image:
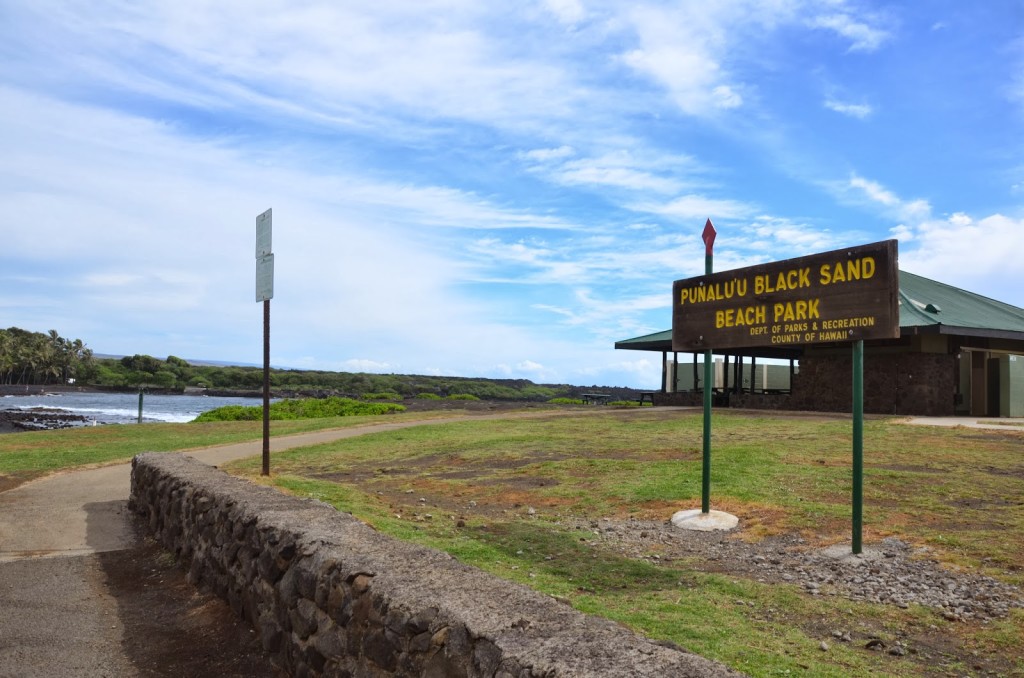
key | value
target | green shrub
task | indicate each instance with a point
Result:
(462, 396)
(382, 395)
(624, 403)
(301, 408)
(233, 413)
(565, 401)
(428, 396)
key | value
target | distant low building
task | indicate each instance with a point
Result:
(958, 353)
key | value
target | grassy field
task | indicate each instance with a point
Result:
(24, 456)
(509, 495)
(501, 495)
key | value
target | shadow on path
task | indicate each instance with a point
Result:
(168, 628)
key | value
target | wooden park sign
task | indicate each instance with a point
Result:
(845, 295)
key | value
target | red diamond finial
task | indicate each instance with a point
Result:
(708, 236)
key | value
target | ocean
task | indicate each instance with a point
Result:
(123, 408)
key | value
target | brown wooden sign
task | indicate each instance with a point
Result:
(838, 296)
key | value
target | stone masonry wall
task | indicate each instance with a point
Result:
(894, 383)
(330, 596)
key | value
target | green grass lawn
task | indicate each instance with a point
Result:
(24, 456)
(958, 491)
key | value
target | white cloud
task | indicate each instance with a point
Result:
(681, 48)
(696, 51)
(629, 168)
(332, 63)
(549, 154)
(859, 111)
(776, 237)
(587, 173)
(569, 12)
(364, 365)
(863, 36)
(691, 207)
(981, 255)
(860, 189)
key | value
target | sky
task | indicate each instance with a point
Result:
(485, 189)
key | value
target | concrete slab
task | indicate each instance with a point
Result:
(843, 553)
(993, 423)
(695, 519)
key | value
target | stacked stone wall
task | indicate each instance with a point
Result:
(330, 596)
(909, 383)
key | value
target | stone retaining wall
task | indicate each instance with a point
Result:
(330, 596)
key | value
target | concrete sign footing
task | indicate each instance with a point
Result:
(695, 519)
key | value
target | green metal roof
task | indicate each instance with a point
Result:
(925, 305)
(649, 342)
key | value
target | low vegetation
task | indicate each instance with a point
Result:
(301, 408)
(510, 496)
(34, 358)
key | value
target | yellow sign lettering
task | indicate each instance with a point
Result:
(847, 271)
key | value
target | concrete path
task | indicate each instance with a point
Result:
(998, 424)
(82, 512)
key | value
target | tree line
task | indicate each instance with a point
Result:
(34, 358)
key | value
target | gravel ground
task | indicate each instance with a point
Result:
(890, 572)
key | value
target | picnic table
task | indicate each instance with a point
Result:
(595, 398)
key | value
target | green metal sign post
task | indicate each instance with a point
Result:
(705, 486)
(858, 443)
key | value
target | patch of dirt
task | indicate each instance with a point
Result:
(1016, 472)
(907, 468)
(170, 628)
(8, 481)
(474, 406)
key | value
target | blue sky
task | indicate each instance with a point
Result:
(485, 189)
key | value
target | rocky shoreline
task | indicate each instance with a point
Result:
(39, 419)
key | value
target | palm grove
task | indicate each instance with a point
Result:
(37, 358)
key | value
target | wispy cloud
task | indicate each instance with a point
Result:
(695, 207)
(859, 111)
(682, 49)
(864, 34)
(872, 193)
